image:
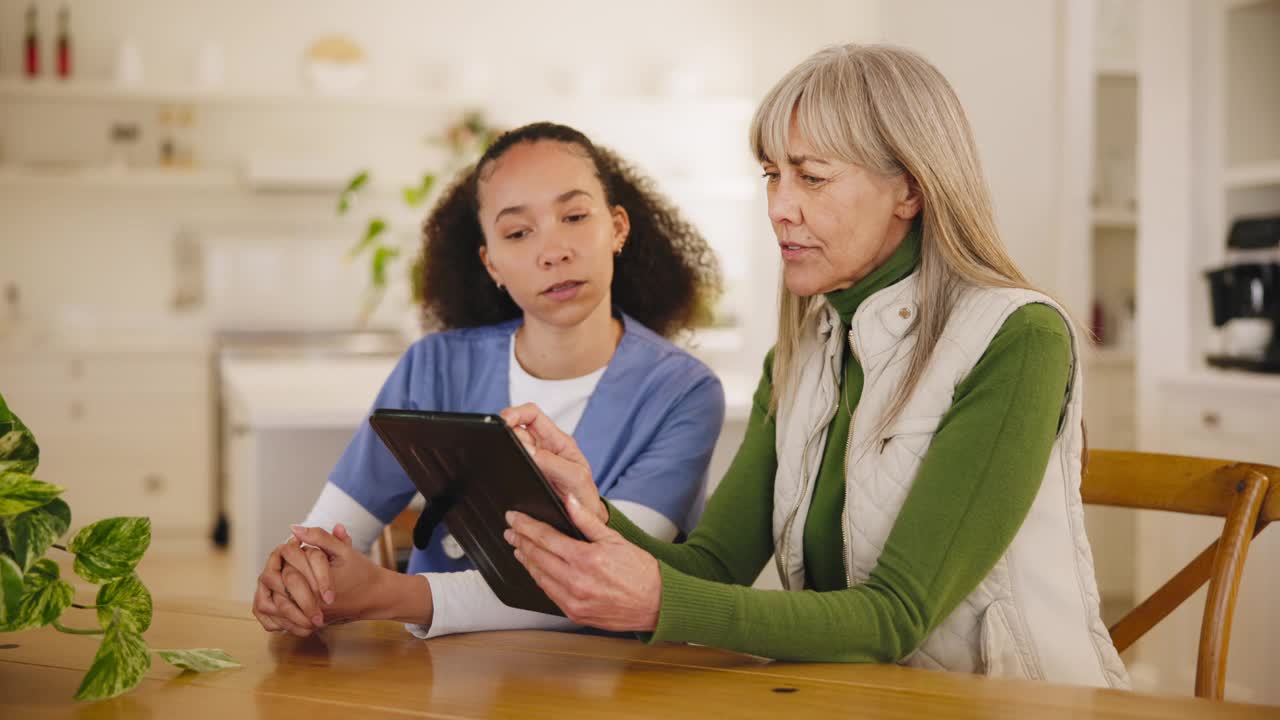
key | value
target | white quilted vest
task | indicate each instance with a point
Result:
(1036, 614)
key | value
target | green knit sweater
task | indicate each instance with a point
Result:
(970, 495)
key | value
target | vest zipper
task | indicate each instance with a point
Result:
(780, 556)
(844, 504)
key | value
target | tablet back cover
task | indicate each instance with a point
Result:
(475, 466)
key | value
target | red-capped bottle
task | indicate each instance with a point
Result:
(32, 44)
(64, 43)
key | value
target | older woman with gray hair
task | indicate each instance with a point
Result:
(914, 453)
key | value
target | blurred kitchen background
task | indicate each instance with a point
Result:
(184, 330)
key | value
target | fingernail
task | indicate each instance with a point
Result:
(573, 500)
(317, 619)
(511, 517)
(509, 536)
(328, 597)
(297, 529)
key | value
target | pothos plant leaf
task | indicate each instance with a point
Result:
(415, 196)
(18, 452)
(10, 589)
(199, 659)
(375, 228)
(28, 535)
(44, 597)
(348, 193)
(128, 597)
(119, 665)
(18, 449)
(32, 518)
(110, 548)
(382, 256)
(20, 492)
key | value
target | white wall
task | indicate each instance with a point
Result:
(742, 45)
(999, 54)
(72, 245)
(1001, 57)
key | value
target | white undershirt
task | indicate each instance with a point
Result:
(463, 601)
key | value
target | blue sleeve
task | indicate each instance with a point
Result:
(669, 473)
(367, 471)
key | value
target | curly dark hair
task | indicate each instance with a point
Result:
(667, 277)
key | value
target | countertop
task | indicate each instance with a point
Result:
(335, 392)
(303, 393)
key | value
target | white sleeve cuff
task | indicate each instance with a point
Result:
(464, 602)
(647, 519)
(335, 506)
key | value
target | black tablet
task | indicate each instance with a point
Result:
(472, 469)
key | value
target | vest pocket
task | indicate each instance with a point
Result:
(913, 425)
(999, 645)
(905, 443)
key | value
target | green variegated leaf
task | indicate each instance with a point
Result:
(30, 534)
(20, 492)
(382, 257)
(120, 664)
(199, 659)
(44, 597)
(376, 227)
(348, 193)
(10, 589)
(414, 196)
(130, 598)
(110, 548)
(18, 450)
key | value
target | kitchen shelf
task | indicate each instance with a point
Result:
(52, 91)
(1123, 71)
(1215, 379)
(156, 177)
(128, 178)
(88, 92)
(1114, 219)
(1241, 4)
(1110, 357)
(1252, 175)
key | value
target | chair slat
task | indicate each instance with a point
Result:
(1245, 494)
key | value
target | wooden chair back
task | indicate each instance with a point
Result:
(399, 534)
(1243, 494)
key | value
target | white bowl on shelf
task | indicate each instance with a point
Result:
(331, 77)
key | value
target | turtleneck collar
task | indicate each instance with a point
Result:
(899, 265)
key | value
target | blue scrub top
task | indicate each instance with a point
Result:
(648, 429)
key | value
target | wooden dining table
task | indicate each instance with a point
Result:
(378, 670)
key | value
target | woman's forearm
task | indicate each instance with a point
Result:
(402, 598)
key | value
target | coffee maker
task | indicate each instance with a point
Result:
(1245, 297)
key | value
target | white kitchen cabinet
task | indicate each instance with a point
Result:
(125, 433)
(1209, 145)
(287, 422)
(1100, 85)
(1229, 416)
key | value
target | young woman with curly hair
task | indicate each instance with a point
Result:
(557, 273)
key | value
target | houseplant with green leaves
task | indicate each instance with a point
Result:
(463, 143)
(33, 521)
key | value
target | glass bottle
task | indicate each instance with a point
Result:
(32, 44)
(64, 43)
